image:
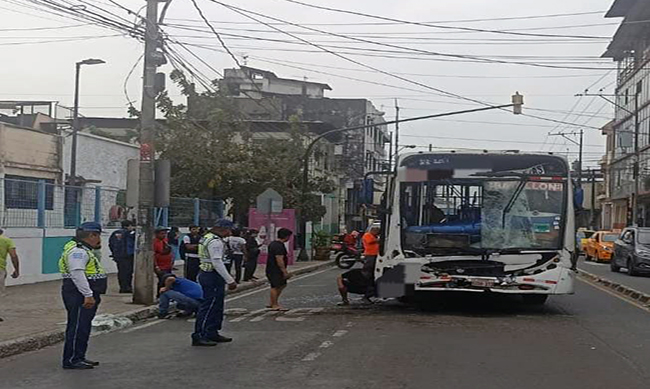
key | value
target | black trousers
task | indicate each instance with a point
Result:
(77, 330)
(250, 266)
(192, 268)
(237, 261)
(125, 273)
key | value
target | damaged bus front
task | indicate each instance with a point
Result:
(488, 222)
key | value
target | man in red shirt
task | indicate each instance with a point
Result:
(164, 261)
(371, 252)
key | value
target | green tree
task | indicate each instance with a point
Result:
(214, 155)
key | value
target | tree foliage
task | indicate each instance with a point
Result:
(214, 155)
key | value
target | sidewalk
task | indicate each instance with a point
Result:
(30, 310)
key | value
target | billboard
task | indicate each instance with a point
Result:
(268, 225)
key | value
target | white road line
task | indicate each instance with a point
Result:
(262, 289)
(248, 315)
(340, 333)
(133, 329)
(264, 316)
(311, 357)
(350, 324)
(326, 344)
(595, 264)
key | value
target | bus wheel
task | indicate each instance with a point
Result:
(535, 299)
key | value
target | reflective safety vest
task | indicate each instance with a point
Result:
(94, 269)
(204, 253)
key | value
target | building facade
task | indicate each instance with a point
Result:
(628, 167)
(357, 153)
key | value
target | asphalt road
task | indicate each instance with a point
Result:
(640, 283)
(590, 340)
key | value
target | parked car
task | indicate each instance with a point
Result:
(582, 236)
(632, 251)
(600, 246)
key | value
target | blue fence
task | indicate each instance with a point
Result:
(43, 204)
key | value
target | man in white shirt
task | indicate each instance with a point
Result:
(237, 245)
(213, 278)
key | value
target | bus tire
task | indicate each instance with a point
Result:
(534, 299)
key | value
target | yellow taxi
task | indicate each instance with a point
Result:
(600, 246)
(582, 237)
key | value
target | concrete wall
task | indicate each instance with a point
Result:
(29, 153)
(40, 249)
(100, 159)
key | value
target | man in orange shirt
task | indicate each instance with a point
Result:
(370, 251)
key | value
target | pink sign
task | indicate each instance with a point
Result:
(268, 225)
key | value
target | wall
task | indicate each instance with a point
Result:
(39, 251)
(100, 159)
(29, 153)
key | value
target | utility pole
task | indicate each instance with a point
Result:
(592, 222)
(396, 131)
(635, 195)
(390, 152)
(565, 135)
(144, 263)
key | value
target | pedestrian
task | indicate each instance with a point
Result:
(122, 246)
(84, 281)
(186, 293)
(237, 246)
(164, 262)
(173, 238)
(353, 281)
(190, 250)
(252, 255)
(213, 279)
(7, 247)
(371, 252)
(276, 267)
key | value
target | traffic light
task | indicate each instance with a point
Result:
(518, 102)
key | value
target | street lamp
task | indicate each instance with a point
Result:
(75, 116)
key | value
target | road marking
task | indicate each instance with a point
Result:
(264, 288)
(326, 344)
(153, 323)
(311, 357)
(340, 333)
(350, 324)
(249, 315)
(610, 292)
(265, 315)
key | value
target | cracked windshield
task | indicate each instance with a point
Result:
(323, 194)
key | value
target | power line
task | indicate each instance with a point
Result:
(430, 25)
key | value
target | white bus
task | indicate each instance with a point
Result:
(500, 222)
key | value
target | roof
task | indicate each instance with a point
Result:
(271, 75)
(620, 8)
(629, 34)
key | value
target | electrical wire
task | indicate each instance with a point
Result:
(438, 26)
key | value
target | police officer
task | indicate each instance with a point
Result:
(213, 279)
(84, 280)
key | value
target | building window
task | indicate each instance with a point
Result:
(22, 192)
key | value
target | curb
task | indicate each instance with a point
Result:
(626, 291)
(44, 339)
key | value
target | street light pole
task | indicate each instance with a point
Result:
(75, 116)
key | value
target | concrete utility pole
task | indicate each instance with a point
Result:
(396, 131)
(635, 195)
(144, 262)
(565, 135)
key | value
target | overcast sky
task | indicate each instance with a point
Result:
(33, 69)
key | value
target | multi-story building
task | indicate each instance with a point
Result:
(630, 48)
(262, 94)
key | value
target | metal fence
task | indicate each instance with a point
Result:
(41, 203)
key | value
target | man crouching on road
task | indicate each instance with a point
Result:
(84, 280)
(213, 278)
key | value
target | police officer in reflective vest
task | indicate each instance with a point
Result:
(84, 280)
(213, 279)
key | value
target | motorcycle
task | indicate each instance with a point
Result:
(346, 255)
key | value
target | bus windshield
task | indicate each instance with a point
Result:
(474, 211)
